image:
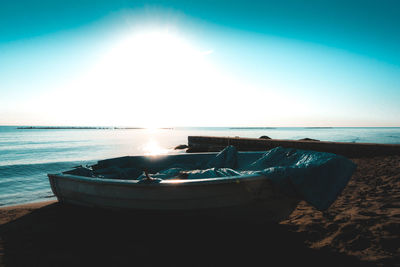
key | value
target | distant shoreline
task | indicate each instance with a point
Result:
(83, 128)
(318, 127)
(252, 128)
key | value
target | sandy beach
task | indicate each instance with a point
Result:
(103, 102)
(360, 228)
(364, 221)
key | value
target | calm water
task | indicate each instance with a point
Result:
(26, 156)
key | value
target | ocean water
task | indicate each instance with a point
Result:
(27, 155)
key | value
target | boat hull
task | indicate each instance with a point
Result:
(247, 196)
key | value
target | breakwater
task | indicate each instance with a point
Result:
(214, 143)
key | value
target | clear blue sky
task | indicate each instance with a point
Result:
(200, 63)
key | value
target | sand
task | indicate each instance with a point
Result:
(361, 228)
(365, 220)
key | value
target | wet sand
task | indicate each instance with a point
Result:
(361, 228)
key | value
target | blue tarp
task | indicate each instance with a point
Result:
(316, 177)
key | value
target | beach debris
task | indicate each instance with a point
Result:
(309, 139)
(181, 147)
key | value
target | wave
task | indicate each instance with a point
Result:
(22, 183)
(22, 197)
(18, 170)
(9, 150)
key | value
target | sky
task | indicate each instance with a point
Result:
(200, 63)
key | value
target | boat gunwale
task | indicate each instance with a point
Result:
(162, 183)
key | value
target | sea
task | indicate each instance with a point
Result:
(28, 154)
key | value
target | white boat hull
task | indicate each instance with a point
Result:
(249, 194)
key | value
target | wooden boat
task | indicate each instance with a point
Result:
(247, 194)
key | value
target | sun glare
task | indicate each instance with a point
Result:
(145, 75)
(156, 79)
(152, 148)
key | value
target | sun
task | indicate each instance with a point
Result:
(146, 74)
(151, 79)
(145, 55)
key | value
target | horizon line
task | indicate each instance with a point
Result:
(172, 127)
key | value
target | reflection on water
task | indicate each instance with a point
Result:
(153, 148)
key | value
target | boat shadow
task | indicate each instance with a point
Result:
(63, 235)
